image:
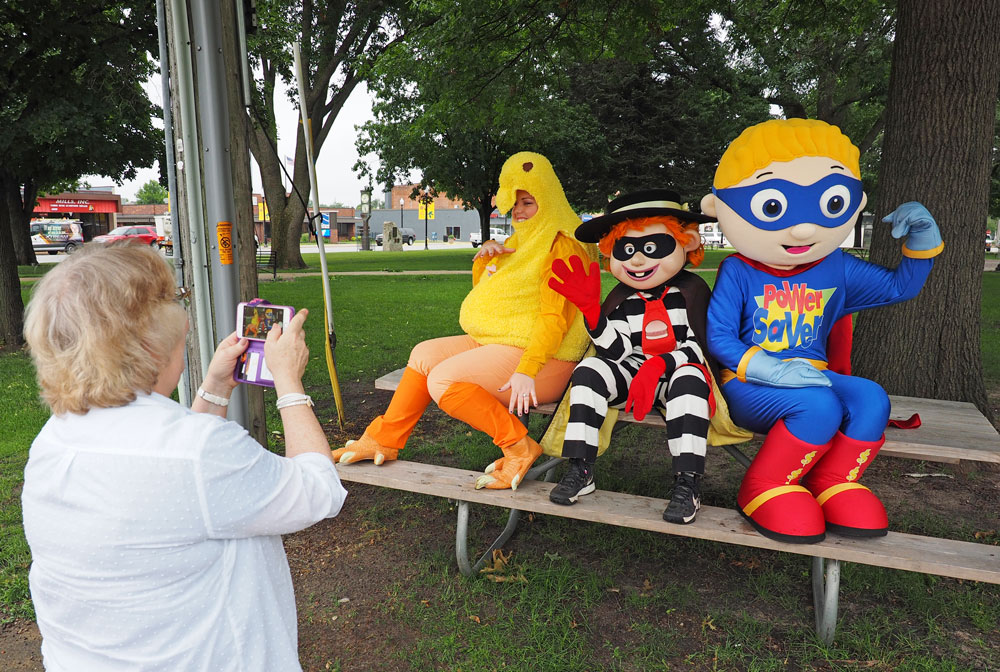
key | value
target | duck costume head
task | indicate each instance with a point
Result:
(504, 304)
(533, 173)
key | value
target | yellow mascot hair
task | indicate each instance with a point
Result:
(783, 140)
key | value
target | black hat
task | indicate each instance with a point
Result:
(638, 204)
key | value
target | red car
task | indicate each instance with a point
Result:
(144, 232)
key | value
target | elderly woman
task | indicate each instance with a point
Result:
(154, 529)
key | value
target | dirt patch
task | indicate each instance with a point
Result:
(20, 646)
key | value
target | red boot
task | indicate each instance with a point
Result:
(850, 508)
(770, 497)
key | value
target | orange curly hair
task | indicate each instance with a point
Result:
(681, 231)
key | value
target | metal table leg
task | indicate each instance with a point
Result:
(546, 471)
(826, 596)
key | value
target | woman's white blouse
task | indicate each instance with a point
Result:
(155, 540)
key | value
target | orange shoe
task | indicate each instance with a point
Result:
(509, 470)
(365, 448)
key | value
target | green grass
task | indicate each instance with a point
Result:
(23, 415)
(586, 596)
(424, 260)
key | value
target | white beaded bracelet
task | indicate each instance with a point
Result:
(293, 399)
(213, 398)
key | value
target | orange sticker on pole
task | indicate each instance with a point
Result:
(224, 234)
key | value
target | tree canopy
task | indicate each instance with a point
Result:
(151, 193)
(71, 104)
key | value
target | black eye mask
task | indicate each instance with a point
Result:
(656, 246)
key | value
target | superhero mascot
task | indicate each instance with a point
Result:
(786, 194)
(521, 340)
(649, 340)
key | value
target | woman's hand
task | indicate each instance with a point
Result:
(286, 354)
(492, 248)
(522, 393)
(219, 379)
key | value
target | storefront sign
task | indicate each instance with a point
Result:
(76, 205)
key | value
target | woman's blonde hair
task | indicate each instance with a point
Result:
(783, 140)
(101, 326)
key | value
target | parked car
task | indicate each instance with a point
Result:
(144, 232)
(496, 233)
(407, 234)
(55, 236)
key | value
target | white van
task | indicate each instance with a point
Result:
(711, 234)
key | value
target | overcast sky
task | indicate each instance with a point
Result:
(337, 182)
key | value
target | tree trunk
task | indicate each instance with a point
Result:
(239, 154)
(939, 131)
(20, 217)
(11, 305)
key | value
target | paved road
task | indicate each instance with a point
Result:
(44, 258)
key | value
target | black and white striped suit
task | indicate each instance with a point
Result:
(603, 380)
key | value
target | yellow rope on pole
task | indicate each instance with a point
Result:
(327, 304)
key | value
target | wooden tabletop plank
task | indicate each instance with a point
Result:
(950, 431)
(945, 557)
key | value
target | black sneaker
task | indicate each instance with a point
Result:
(577, 481)
(685, 500)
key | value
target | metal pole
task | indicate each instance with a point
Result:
(219, 207)
(184, 385)
(307, 133)
(190, 167)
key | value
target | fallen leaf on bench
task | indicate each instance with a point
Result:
(929, 475)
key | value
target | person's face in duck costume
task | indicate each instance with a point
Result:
(787, 191)
(530, 190)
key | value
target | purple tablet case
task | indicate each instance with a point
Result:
(250, 367)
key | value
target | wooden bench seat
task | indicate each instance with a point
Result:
(266, 262)
(950, 432)
(956, 559)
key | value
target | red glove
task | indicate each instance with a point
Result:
(580, 288)
(642, 391)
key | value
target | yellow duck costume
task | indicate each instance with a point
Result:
(513, 323)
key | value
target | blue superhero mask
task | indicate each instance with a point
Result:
(778, 204)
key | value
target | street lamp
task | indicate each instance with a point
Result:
(366, 212)
(401, 201)
(425, 200)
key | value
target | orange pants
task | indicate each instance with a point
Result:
(464, 379)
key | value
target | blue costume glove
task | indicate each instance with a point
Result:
(914, 219)
(764, 369)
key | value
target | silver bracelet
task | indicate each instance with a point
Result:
(293, 399)
(213, 398)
